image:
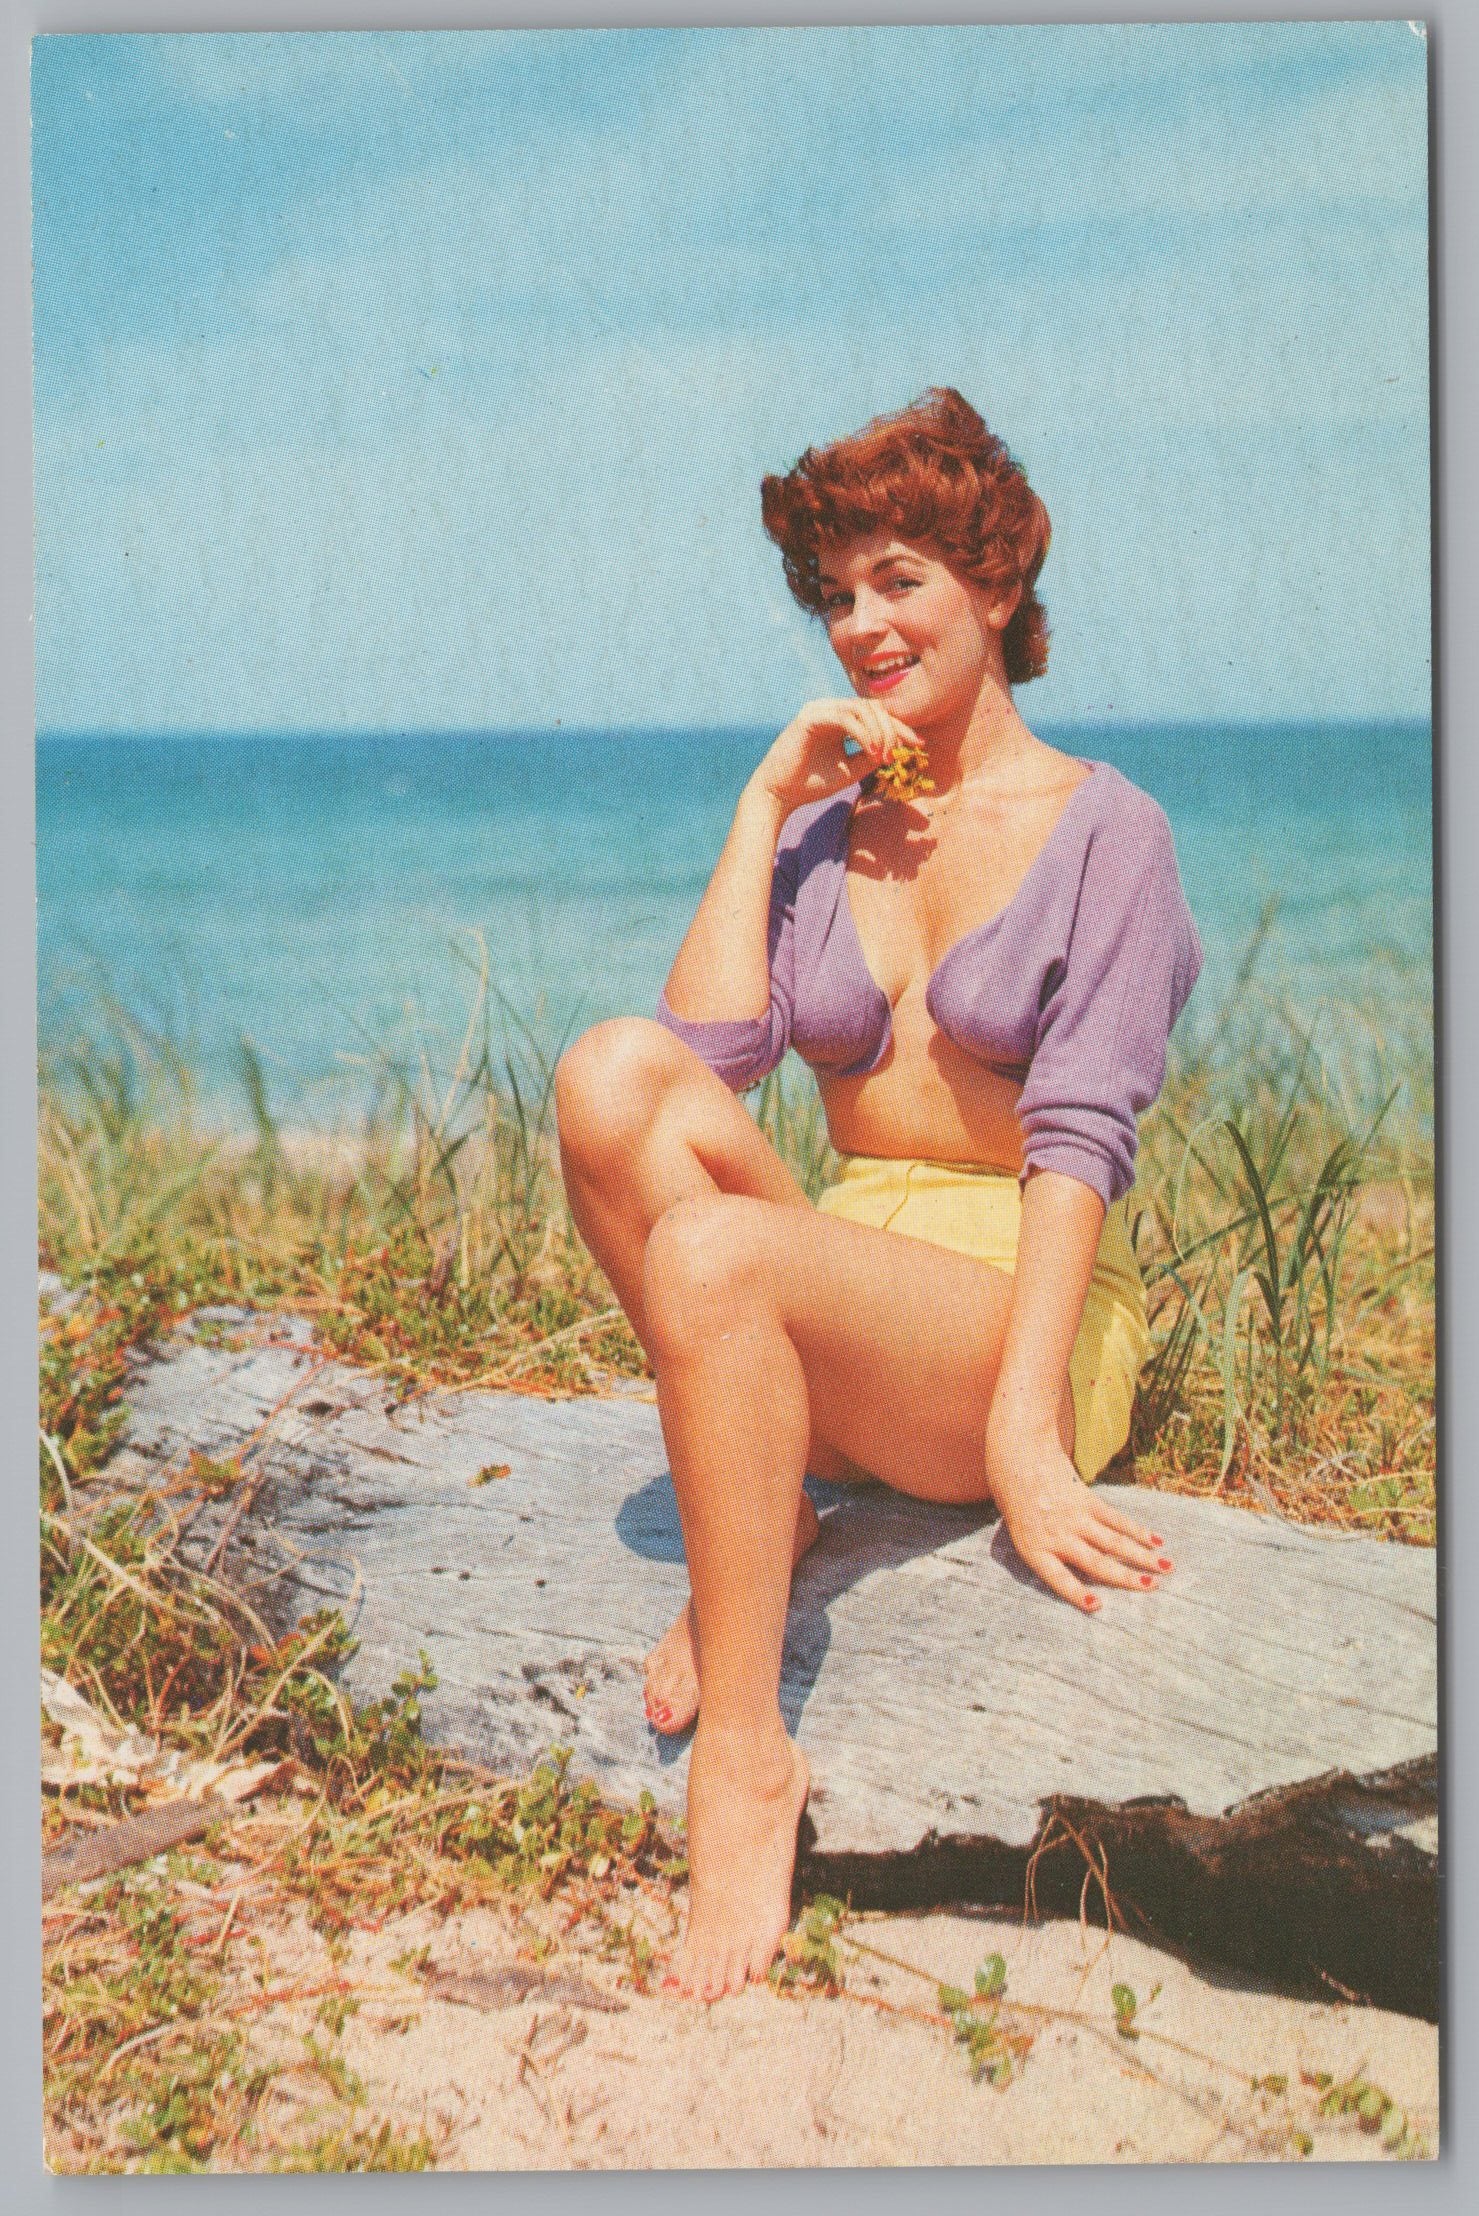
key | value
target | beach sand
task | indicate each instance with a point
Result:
(870, 2076)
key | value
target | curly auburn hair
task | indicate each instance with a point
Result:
(935, 475)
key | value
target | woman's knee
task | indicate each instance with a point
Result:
(608, 1086)
(708, 1265)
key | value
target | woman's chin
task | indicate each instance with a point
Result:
(922, 715)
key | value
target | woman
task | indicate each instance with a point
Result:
(983, 978)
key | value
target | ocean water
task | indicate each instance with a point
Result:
(328, 897)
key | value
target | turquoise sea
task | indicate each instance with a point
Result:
(325, 896)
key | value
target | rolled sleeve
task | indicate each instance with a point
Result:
(741, 1051)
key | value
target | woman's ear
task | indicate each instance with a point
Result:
(1000, 612)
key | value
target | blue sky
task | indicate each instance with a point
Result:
(416, 380)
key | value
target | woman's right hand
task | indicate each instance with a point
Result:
(809, 761)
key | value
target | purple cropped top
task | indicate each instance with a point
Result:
(1072, 988)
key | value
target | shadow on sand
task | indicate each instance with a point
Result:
(866, 1531)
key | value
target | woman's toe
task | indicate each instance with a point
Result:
(758, 1966)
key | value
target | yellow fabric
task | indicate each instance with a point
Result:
(979, 1212)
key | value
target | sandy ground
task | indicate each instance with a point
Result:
(873, 2076)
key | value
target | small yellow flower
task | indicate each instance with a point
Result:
(906, 772)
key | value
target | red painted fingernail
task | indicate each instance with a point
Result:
(1164, 1563)
(1156, 1540)
(1147, 1581)
(1091, 1600)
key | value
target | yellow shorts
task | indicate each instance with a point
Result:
(978, 1212)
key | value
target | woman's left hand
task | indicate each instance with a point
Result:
(1063, 1531)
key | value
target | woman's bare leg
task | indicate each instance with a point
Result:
(733, 1399)
(672, 1667)
(768, 1324)
(643, 1123)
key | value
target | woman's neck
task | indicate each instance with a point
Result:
(986, 746)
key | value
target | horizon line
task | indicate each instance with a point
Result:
(1201, 720)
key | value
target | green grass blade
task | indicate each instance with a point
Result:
(1227, 1362)
(1269, 1277)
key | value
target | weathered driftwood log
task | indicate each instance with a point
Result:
(1245, 1760)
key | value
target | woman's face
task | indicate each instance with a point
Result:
(907, 630)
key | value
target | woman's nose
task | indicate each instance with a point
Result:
(868, 617)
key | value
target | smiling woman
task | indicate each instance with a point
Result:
(983, 976)
(935, 475)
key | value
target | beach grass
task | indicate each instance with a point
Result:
(1283, 1215)
(1284, 1218)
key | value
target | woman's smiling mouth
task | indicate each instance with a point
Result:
(884, 674)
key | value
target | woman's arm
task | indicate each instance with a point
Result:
(1097, 1061)
(722, 971)
(1057, 1524)
(1057, 1242)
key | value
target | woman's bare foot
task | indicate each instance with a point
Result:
(745, 1799)
(671, 1686)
